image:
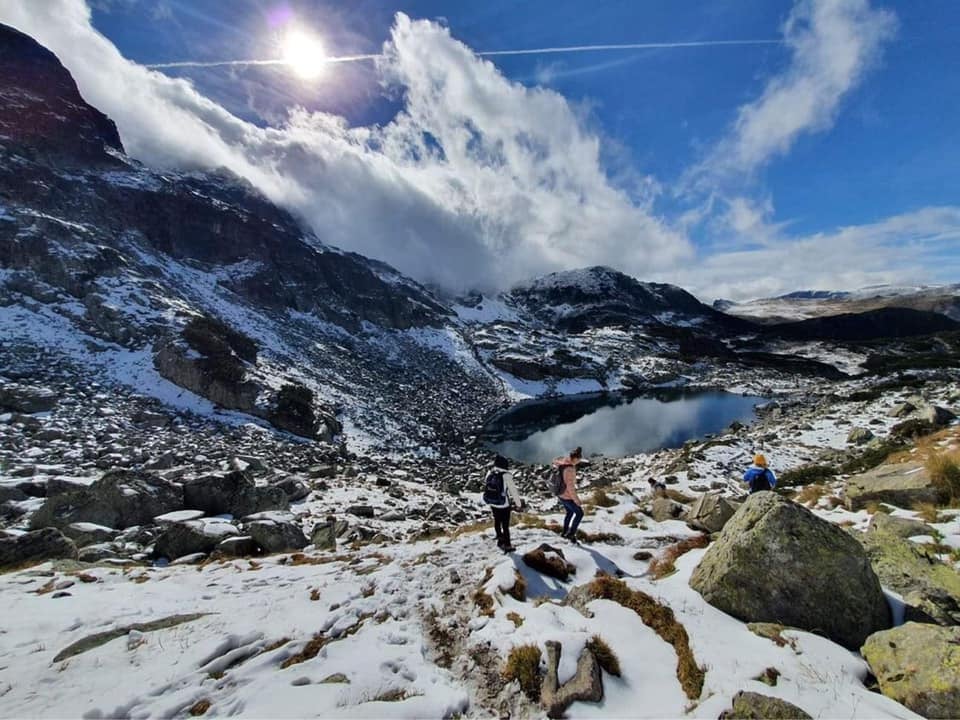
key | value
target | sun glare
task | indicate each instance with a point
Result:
(304, 53)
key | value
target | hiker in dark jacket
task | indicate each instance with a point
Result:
(758, 476)
(569, 498)
(500, 493)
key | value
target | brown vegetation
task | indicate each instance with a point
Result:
(606, 658)
(665, 565)
(523, 665)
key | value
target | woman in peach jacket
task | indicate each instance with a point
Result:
(569, 498)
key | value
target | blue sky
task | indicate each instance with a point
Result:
(827, 160)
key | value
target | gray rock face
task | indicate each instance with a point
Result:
(585, 686)
(119, 499)
(710, 512)
(34, 547)
(84, 534)
(925, 583)
(274, 536)
(937, 416)
(754, 706)
(232, 493)
(903, 485)
(917, 665)
(901, 527)
(294, 488)
(324, 536)
(237, 546)
(193, 536)
(777, 562)
(860, 436)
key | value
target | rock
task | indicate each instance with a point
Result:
(322, 471)
(324, 536)
(363, 511)
(119, 499)
(860, 436)
(233, 493)
(917, 665)
(903, 485)
(754, 706)
(901, 527)
(193, 536)
(936, 416)
(778, 562)
(97, 552)
(924, 582)
(549, 561)
(911, 429)
(10, 493)
(710, 512)
(150, 419)
(293, 409)
(10, 512)
(393, 516)
(35, 547)
(273, 536)
(59, 486)
(901, 410)
(26, 399)
(84, 534)
(663, 509)
(294, 488)
(237, 546)
(586, 685)
(179, 516)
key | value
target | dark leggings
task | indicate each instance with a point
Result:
(573, 511)
(501, 523)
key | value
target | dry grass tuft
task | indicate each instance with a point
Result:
(518, 591)
(481, 598)
(601, 499)
(309, 651)
(944, 470)
(661, 619)
(928, 511)
(606, 658)
(665, 565)
(315, 594)
(811, 494)
(873, 507)
(515, 618)
(523, 665)
(632, 519)
(199, 708)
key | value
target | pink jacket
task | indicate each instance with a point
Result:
(569, 478)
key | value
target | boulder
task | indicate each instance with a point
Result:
(710, 512)
(363, 511)
(902, 410)
(232, 493)
(274, 536)
(237, 546)
(917, 665)
(84, 534)
(11, 493)
(936, 416)
(903, 485)
(901, 527)
(778, 562)
(97, 552)
(119, 499)
(35, 547)
(754, 706)
(925, 583)
(860, 436)
(324, 536)
(26, 399)
(549, 561)
(663, 509)
(294, 488)
(585, 686)
(193, 536)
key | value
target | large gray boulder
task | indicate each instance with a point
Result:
(233, 493)
(710, 512)
(918, 666)
(663, 509)
(903, 485)
(274, 536)
(193, 536)
(34, 547)
(899, 526)
(119, 499)
(778, 562)
(754, 706)
(926, 584)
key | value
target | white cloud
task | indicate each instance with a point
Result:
(478, 181)
(914, 247)
(833, 43)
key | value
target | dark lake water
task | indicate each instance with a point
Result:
(614, 426)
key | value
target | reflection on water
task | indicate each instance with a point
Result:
(640, 425)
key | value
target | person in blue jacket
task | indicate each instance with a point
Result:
(758, 476)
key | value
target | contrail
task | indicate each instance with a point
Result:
(484, 53)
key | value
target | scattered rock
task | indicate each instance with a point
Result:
(778, 562)
(663, 509)
(586, 685)
(916, 665)
(273, 536)
(901, 527)
(34, 547)
(26, 399)
(549, 561)
(294, 488)
(903, 485)
(860, 436)
(363, 511)
(936, 416)
(324, 536)
(754, 706)
(193, 536)
(901, 410)
(84, 534)
(237, 546)
(710, 512)
(232, 493)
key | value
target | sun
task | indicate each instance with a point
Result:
(304, 54)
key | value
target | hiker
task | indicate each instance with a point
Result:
(501, 495)
(658, 488)
(758, 476)
(568, 497)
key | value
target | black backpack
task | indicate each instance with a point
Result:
(557, 483)
(494, 492)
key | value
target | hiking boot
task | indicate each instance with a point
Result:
(508, 549)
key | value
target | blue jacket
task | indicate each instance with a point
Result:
(756, 473)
